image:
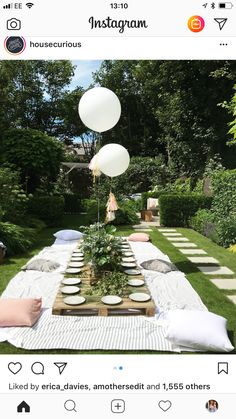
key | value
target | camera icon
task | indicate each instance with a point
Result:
(13, 24)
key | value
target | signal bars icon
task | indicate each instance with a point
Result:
(11, 5)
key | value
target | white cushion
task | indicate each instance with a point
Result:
(68, 235)
(200, 330)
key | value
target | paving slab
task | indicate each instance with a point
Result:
(193, 251)
(183, 244)
(215, 270)
(232, 298)
(225, 284)
(178, 239)
(203, 259)
(165, 230)
(172, 234)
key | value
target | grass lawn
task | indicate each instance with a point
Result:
(212, 297)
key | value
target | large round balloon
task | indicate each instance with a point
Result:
(113, 159)
(99, 109)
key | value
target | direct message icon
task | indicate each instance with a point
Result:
(14, 367)
(165, 405)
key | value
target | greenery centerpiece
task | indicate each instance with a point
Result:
(101, 248)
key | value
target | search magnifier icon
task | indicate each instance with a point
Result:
(70, 405)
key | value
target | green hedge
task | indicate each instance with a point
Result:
(177, 209)
(224, 188)
(49, 209)
(72, 203)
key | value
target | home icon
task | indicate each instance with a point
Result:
(23, 407)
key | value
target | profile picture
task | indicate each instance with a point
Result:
(212, 406)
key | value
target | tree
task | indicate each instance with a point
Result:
(138, 128)
(33, 95)
(171, 108)
(34, 154)
(232, 110)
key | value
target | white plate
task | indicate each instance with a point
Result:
(74, 301)
(136, 282)
(140, 297)
(128, 259)
(128, 254)
(71, 281)
(132, 272)
(77, 259)
(76, 264)
(128, 264)
(111, 299)
(70, 290)
(78, 254)
(73, 271)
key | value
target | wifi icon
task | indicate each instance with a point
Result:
(29, 5)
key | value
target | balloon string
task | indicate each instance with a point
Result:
(98, 200)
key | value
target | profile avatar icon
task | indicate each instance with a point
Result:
(212, 406)
(15, 44)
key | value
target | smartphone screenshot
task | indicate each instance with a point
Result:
(117, 209)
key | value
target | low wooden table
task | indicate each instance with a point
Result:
(94, 306)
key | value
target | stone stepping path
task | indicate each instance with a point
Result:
(171, 234)
(224, 284)
(215, 270)
(187, 248)
(177, 239)
(193, 251)
(232, 298)
(183, 244)
(166, 230)
(203, 259)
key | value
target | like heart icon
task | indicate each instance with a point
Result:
(14, 367)
(165, 405)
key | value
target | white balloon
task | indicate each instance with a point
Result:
(99, 109)
(113, 159)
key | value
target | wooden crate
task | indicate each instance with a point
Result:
(94, 306)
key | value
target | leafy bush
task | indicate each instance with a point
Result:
(177, 209)
(17, 239)
(72, 203)
(224, 199)
(204, 222)
(126, 214)
(226, 231)
(34, 153)
(13, 200)
(49, 209)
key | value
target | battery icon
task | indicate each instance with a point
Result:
(226, 5)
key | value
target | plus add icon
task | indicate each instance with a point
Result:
(118, 406)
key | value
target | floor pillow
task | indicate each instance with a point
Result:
(19, 312)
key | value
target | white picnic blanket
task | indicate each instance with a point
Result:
(169, 291)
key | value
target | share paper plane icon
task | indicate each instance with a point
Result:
(221, 22)
(61, 366)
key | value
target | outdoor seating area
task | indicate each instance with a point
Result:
(117, 213)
